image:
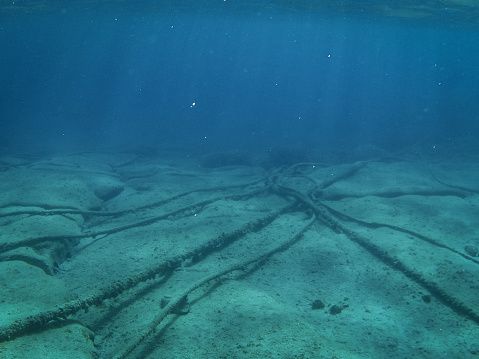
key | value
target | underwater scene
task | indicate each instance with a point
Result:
(239, 179)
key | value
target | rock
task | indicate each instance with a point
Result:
(106, 193)
(426, 298)
(182, 308)
(337, 308)
(471, 250)
(317, 304)
(474, 348)
(106, 188)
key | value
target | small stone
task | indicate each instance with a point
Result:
(182, 308)
(426, 298)
(107, 192)
(336, 309)
(317, 304)
(164, 301)
(474, 348)
(471, 250)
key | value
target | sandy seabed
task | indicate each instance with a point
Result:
(129, 256)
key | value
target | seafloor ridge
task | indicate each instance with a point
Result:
(164, 255)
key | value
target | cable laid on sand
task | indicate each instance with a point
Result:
(422, 237)
(182, 296)
(4, 247)
(43, 320)
(325, 217)
(50, 211)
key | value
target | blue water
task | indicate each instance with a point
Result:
(219, 76)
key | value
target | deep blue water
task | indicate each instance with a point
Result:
(76, 78)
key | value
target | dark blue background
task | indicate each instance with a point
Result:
(117, 77)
